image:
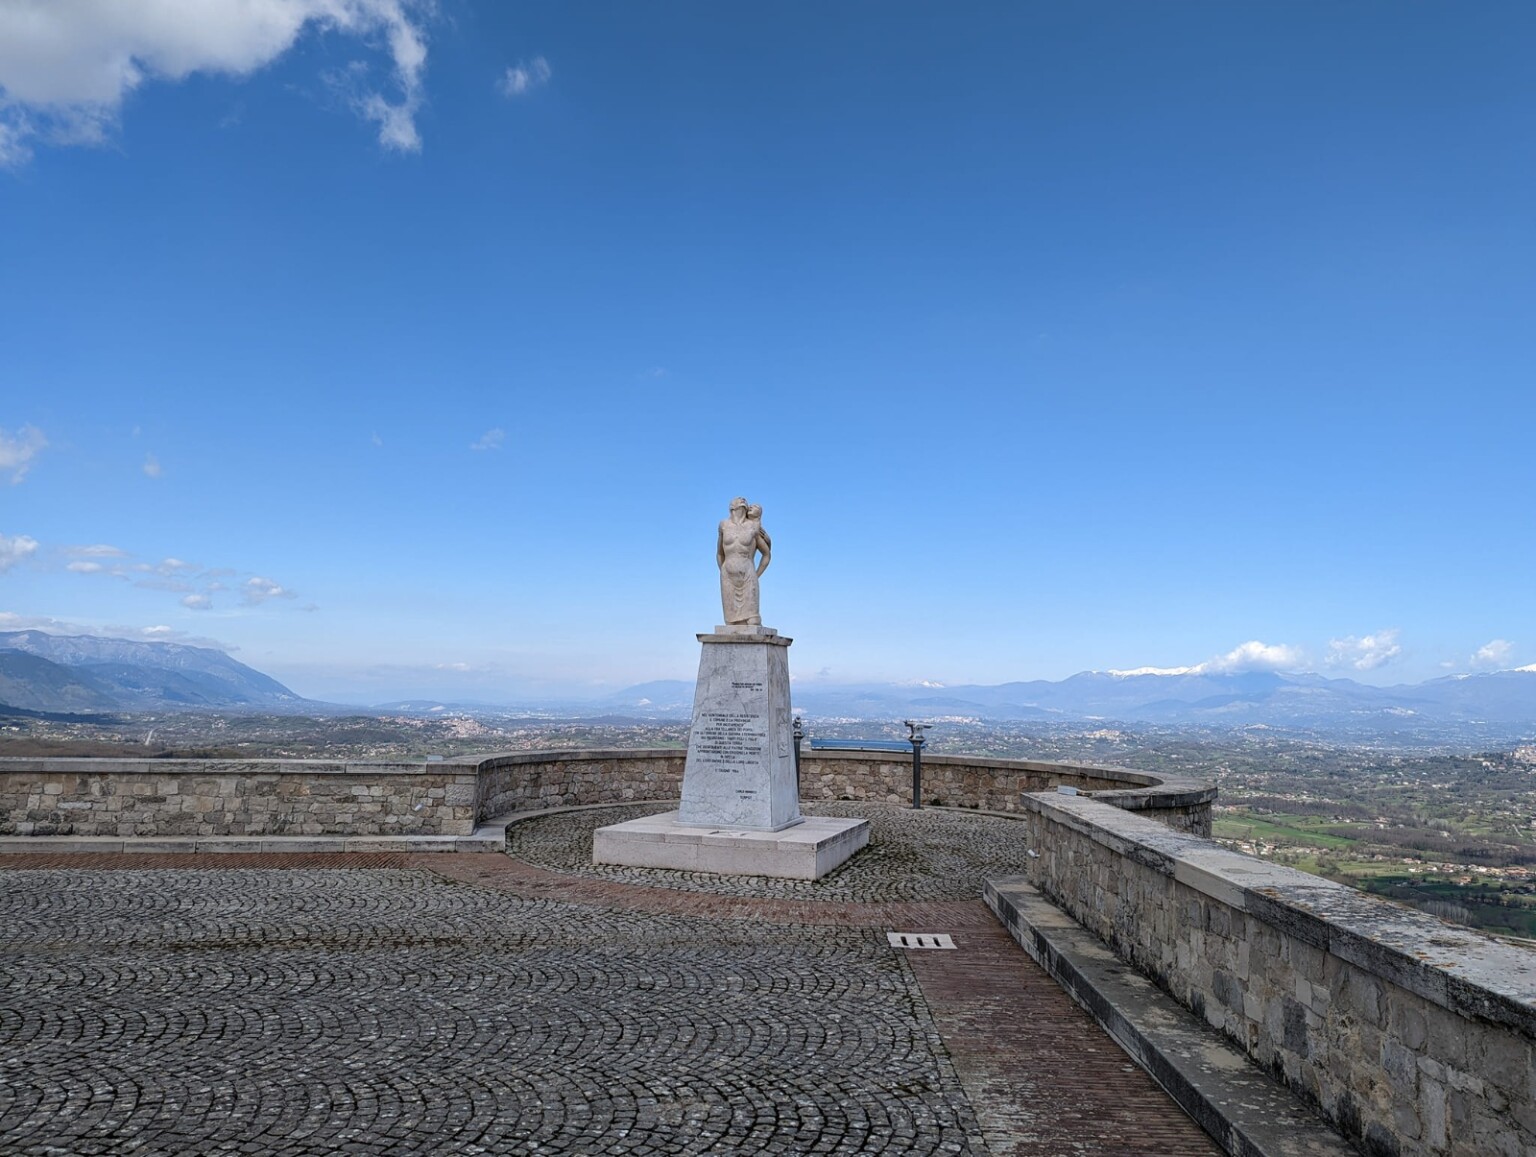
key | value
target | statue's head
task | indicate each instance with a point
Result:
(754, 512)
(738, 504)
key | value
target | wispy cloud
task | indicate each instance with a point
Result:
(258, 590)
(490, 440)
(151, 466)
(1494, 653)
(1365, 653)
(15, 550)
(17, 450)
(524, 77)
(174, 586)
(67, 65)
(195, 583)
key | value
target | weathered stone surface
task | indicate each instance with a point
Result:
(1359, 1004)
(189, 798)
(740, 771)
(137, 799)
(1235, 1103)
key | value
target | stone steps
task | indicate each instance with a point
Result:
(1248, 1113)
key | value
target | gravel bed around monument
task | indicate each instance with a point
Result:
(932, 854)
(391, 1011)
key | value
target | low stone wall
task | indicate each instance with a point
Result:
(530, 780)
(200, 797)
(999, 784)
(543, 779)
(1414, 1037)
(130, 798)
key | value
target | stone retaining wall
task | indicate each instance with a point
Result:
(999, 784)
(189, 797)
(532, 780)
(1413, 1036)
(204, 797)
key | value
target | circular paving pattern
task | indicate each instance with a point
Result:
(391, 1011)
(932, 854)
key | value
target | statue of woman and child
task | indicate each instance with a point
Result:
(742, 538)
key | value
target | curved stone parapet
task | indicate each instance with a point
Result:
(534, 780)
(544, 779)
(200, 798)
(999, 785)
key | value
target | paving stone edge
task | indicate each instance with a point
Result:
(1247, 1113)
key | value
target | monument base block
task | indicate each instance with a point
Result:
(807, 851)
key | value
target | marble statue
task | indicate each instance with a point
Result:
(742, 539)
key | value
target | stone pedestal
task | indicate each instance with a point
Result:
(741, 764)
(740, 812)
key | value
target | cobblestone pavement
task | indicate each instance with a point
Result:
(933, 854)
(479, 1004)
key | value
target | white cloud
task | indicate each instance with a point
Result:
(490, 440)
(97, 550)
(524, 77)
(258, 590)
(14, 550)
(1365, 653)
(1249, 656)
(84, 566)
(66, 65)
(16, 453)
(151, 466)
(1256, 656)
(197, 602)
(1494, 653)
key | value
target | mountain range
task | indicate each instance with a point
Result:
(1503, 700)
(82, 674)
(86, 673)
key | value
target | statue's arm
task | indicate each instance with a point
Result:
(720, 546)
(764, 544)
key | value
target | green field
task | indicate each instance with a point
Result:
(1313, 844)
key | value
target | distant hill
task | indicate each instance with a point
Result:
(86, 673)
(1502, 699)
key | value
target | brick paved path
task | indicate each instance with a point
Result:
(481, 1004)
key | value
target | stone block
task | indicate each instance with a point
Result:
(807, 851)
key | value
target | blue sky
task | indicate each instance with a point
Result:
(412, 349)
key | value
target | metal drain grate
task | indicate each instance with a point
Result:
(919, 940)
